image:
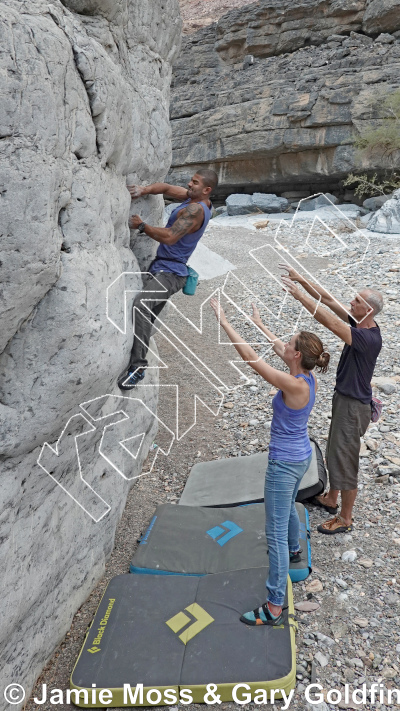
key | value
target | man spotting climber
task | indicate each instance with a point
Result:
(351, 405)
(168, 271)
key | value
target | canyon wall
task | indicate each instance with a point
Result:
(272, 93)
(85, 101)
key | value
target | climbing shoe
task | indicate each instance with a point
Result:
(261, 616)
(130, 378)
(295, 557)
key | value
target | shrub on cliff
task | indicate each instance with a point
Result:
(381, 141)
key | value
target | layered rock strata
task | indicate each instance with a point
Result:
(85, 100)
(272, 95)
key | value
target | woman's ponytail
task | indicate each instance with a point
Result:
(322, 362)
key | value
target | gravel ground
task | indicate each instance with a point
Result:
(354, 635)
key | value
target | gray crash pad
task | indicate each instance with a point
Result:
(173, 632)
(240, 480)
(192, 540)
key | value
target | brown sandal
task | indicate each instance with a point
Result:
(334, 525)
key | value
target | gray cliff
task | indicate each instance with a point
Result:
(272, 94)
(84, 109)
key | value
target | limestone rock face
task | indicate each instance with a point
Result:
(268, 28)
(288, 119)
(381, 16)
(84, 110)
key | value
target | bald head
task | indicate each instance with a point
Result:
(373, 298)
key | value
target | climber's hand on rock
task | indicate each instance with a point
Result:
(135, 191)
(134, 222)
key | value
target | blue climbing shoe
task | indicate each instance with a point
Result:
(130, 378)
(261, 616)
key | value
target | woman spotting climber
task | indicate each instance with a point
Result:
(289, 450)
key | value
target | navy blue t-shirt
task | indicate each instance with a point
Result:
(357, 362)
(173, 257)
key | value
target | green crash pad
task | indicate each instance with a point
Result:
(193, 540)
(240, 480)
(176, 632)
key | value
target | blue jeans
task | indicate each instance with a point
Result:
(282, 482)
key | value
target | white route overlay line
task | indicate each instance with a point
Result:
(193, 364)
(55, 451)
(330, 230)
(258, 298)
(199, 330)
(162, 290)
(197, 398)
(126, 417)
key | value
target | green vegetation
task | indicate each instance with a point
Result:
(383, 141)
(372, 185)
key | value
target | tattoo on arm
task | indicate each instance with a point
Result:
(188, 221)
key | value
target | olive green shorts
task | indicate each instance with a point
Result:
(350, 420)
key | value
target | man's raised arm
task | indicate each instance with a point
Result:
(334, 324)
(169, 191)
(317, 292)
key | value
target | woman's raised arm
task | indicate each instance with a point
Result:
(283, 381)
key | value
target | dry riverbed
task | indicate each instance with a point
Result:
(354, 635)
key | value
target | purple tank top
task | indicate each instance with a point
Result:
(173, 257)
(289, 435)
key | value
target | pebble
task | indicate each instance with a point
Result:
(314, 586)
(384, 479)
(307, 606)
(392, 599)
(349, 674)
(339, 629)
(389, 673)
(342, 597)
(366, 562)
(254, 422)
(361, 621)
(321, 659)
(355, 662)
(325, 639)
(349, 556)
(229, 405)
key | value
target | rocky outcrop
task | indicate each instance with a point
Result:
(272, 94)
(85, 100)
(200, 13)
(259, 202)
(387, 218)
